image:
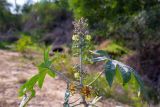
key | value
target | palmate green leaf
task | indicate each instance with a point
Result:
(43, 70)
(140, 85)
(100, 53)
(28, 86)
(119, 75)
(50, 73)
(46, 55)
(99, 59)
(110, 70)
(45, 64)
(128, 74)
(47, 70)
(41, 79)
(138, 79)
(125, 72)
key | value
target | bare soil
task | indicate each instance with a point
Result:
(15, 70)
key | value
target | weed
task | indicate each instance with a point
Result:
(82, 50)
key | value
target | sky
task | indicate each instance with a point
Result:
(19, 2)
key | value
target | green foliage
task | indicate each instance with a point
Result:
(28, 87)
(116, 50)
(87, 45)
(113, 66)
(41, 18)
(44, 68)
(8, 21)
(110, 72)
(136, 21)
(22, 43)
(126, 94)
(4, 14)
(3, 45)
(100, 53)
(108, 15)
(125, 74)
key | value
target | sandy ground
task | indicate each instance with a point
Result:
(14, 71)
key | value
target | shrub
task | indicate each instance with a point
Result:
(22, 43)
(112, 69)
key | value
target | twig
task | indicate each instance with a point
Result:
(76, 105)
(95, 78)
(92, 105)
(60, 74)
(75, 101)
(85, 104)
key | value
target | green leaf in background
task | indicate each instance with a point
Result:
(110, 72)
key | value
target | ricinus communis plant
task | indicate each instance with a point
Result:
(81, 48)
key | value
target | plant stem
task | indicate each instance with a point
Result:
(81, 76)
(25, 100)
(75, 101)
(95, 78)
(81, 70)
(60, 74)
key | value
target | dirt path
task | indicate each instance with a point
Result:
(14, 71)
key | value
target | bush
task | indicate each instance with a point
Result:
(23, 43)
(112, 69)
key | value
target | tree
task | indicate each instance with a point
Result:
(108, 15)
(4, 15)
(8, 21)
